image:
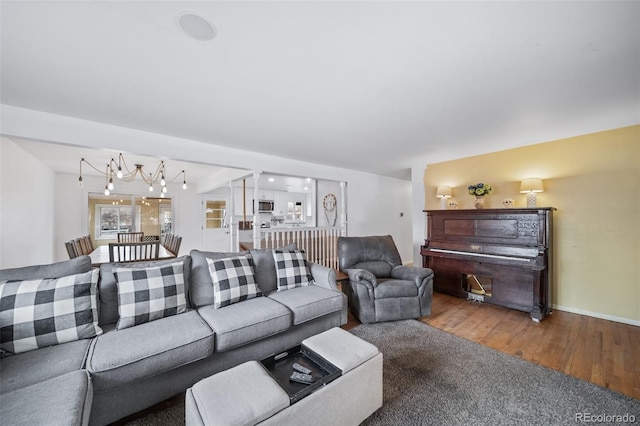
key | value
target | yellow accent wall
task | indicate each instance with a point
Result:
(594, 182)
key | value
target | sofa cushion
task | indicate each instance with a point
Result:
(63, 400)
(120, 357)
(291, 269)
(44, 312)
(108, 288)
(148, 294)
(309, 302)
(246, 322)
(265, 267)
(201, 285)
(31, 367)
(233, 280)
(54, 270)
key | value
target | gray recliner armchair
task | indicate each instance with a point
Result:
(380, 287)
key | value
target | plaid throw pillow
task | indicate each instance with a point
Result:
(148, 294)
(233, 280)
(291, 269)
(45, 312)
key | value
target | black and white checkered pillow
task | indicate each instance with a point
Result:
(45, 312)
(148, 294)
(233, 280)
(291, 269)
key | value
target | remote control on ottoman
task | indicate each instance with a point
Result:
(299, 368)
(306, 379)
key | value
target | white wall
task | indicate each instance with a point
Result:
(26, 208)
(374, 203)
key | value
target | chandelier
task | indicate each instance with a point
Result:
(119, 170)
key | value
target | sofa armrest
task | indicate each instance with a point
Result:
(417, 274)
(323, 276)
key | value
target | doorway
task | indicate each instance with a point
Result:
(215, 230)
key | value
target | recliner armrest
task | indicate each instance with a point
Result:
(416, 274)
(362, 277)
(323, 276)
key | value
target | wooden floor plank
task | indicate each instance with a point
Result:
(603, 352)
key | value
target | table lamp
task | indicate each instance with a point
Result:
(443, 192)
(531, 186)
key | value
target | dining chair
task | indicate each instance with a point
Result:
(71, 250)
(134, 252)
(168, 241)
(130, 237)
(88, 243)
(85, 245)
(175, 244)
(77, 246)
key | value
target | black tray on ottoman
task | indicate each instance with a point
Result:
(280, 368)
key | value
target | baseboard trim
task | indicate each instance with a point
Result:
(597, 315)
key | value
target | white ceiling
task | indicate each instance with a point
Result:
(374, 86)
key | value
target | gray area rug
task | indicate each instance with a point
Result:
(434, 378)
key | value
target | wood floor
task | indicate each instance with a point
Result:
(603, 352)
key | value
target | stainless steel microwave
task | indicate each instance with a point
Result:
(265, 206)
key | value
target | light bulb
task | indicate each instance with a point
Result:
(106, 190)
(162, 194)
(184, 185)
(110, 186)
(164, 190)
(119, 173)
(150, 188)
(81, 183)
(162, 181)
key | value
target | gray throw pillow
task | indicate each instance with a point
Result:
(265, 267)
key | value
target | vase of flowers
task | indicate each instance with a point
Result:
(479, 190)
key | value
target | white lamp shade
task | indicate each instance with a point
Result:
(531, 185)
(443, 192)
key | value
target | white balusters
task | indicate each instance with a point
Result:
(319, 244)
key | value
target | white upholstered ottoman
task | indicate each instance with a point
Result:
(248, 395)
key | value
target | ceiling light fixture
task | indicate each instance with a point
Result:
(121, 171)
(196, 26)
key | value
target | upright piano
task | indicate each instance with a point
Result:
(498, 256)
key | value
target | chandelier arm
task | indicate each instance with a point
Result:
(158, 172)
(124, 163)
(92, 166)
(176, 177)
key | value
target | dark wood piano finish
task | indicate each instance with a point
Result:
(510, 249)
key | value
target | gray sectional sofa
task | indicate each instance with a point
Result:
(121, 371)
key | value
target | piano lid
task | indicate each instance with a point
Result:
(492, 227)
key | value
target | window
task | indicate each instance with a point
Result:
(295, 212)
(216, 214)
(115, 213)
(112, 219)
